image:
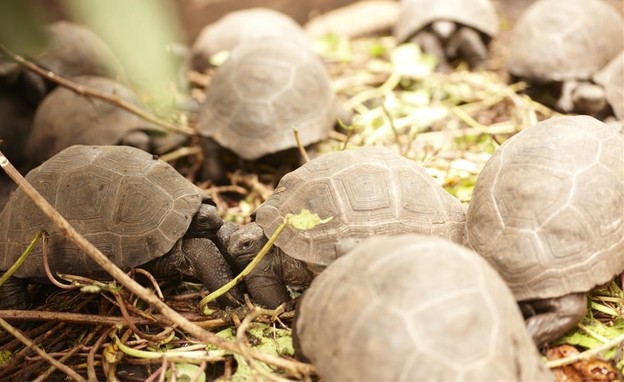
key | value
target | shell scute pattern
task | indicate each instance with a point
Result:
(550, 215)
(264, 90)
(367, 191)
(393, 275)
(416, 14)
(242, 26)
(130, 219)
(559, 40)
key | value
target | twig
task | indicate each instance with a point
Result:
(151, 279)
(397, 139)
(241, 338)
(29, 344)
(300, 147)
(128, 320)
(74, 318)
(91, 375)
(46, 374)
(46, 265)
(180, 153)
(94, 93)
(587, 354)
(145, 294)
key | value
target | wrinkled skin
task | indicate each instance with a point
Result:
(549, 319)
(446, 40)
(267, 281)
(199, 259)
(582, 97)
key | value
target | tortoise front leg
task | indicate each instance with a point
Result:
(265, 283)
(199, 259)
(549, 319)
(468, 44)
(430, 43)
(14, 294)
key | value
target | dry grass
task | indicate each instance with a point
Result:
(449, 123)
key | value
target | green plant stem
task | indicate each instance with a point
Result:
(265, 249)
(587, 354)
(18, 263)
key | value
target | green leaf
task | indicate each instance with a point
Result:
(305, 220)
(273, 341)
(408, 60)
(588, 335)
(185, 372)
(5, 356)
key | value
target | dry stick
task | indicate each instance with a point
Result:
(587, 354)
(302, 151)
(397, 139)
(46, 374)
(74, 318)
(147, 295)
(91, 374)
(244, 344)
(128, 320)
(46, 266)
(28, 343)
(89, 92)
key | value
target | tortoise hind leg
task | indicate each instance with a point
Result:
(14, 294)
(549, 319)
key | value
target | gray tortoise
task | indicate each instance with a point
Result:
(66, 118)
(449, 29)
(134, 208)
(72, 50)
(564, 43)
(263, 90)
(369, 191)
(547, 214)
(414, 308)
(240, 26)
(611, 79)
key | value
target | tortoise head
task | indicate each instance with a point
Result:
(245, 243)
(206, 222)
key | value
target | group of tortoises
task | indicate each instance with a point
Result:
(545, 224)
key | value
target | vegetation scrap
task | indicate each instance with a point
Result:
(450, 123)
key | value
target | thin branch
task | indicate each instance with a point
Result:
(29, 344)
(300, 147)
(94, 93)
(145, 294)
(587, 354)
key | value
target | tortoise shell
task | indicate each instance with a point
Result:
(417, 14)
(611, 78)
(414, 308)
(370, 191)
(75, 50)
(562, 40)
(131, 206)
(239, 26)
(547, 209)
(261, 92)
(65, 118)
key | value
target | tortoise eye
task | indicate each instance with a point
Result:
(247, 244)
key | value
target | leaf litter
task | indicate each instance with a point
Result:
(450, 123)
